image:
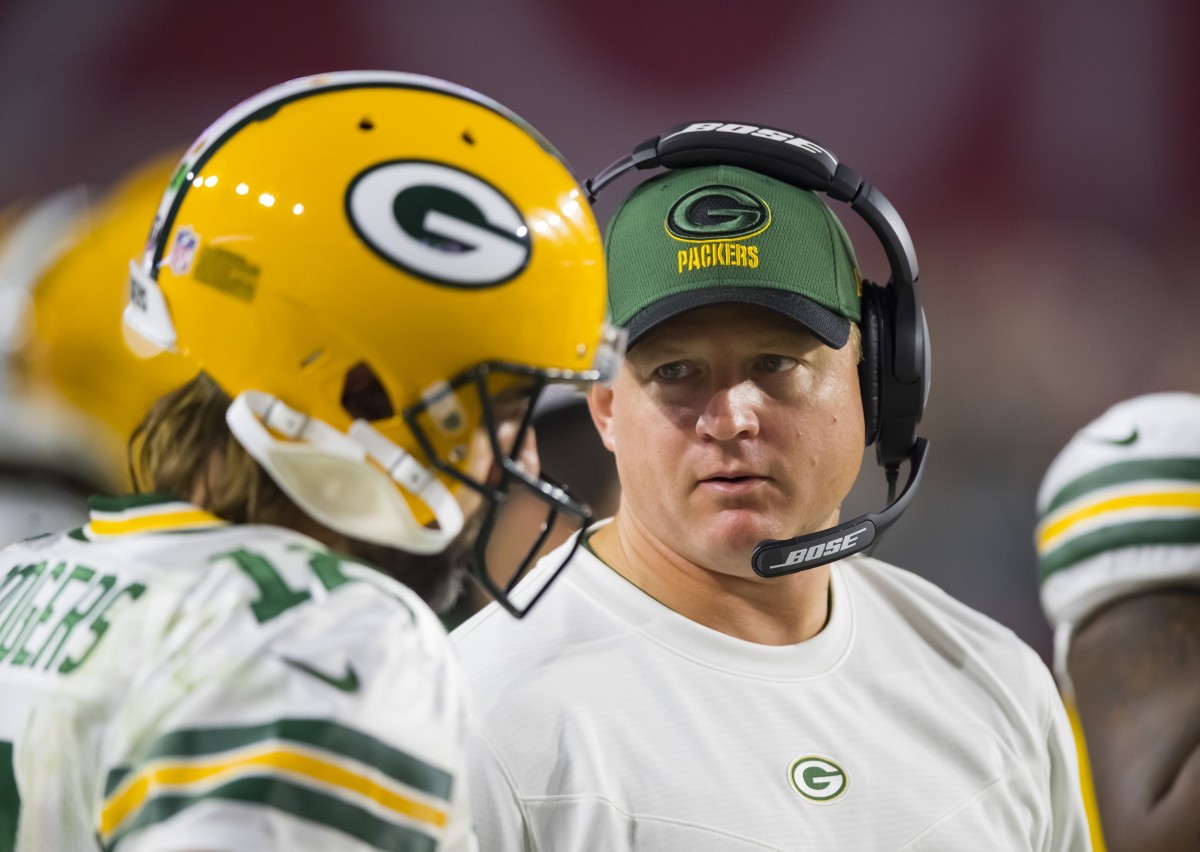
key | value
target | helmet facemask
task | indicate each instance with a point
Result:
(506, 395)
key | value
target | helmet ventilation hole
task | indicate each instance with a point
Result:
(366, 124)
(468, 138)
(363, 395)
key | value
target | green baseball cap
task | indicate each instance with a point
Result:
(716, 234)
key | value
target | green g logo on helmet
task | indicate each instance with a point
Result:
(718, 213)
(440, 223)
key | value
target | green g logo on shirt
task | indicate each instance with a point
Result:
(818, 779)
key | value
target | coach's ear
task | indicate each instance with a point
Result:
(600, 400)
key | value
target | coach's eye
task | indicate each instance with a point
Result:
(776, 363)
(674, 371)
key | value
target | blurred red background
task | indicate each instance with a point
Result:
(1044, 157)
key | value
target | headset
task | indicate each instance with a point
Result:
(894, 372)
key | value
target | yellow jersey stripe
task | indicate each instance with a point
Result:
(184, 519)
(1048, 534)
(137, 790)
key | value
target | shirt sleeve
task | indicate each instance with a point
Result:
(334, 723)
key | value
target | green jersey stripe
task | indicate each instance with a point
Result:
(10, 799)
(114, 779)
(1174, 469)
(318, 733)
(120, 503)
(1172, 531)
(294, 799)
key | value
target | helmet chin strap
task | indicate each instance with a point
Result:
(327, 474)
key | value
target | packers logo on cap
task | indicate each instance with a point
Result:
(717, 213)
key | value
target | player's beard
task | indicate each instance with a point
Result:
(439, 577)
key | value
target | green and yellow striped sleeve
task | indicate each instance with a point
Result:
(1147, 501)
(313, 769)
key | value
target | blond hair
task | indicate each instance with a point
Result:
(183, 447)
(855, 342)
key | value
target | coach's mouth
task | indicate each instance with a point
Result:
(733, 482)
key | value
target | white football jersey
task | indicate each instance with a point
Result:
(608, 721)
(172, 682)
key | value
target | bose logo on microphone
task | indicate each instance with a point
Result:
(823, 549)
(761, 133)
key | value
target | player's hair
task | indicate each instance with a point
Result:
(183, 447)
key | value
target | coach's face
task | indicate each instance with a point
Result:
(731, 424)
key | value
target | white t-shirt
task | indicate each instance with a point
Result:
(606, 721)
(171, 682)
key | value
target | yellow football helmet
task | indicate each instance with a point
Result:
(373, 265)
(73, 390)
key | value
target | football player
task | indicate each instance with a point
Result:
(375, 274)
(1118, 543)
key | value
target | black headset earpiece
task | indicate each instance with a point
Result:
(870, 371)
(894, 373)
